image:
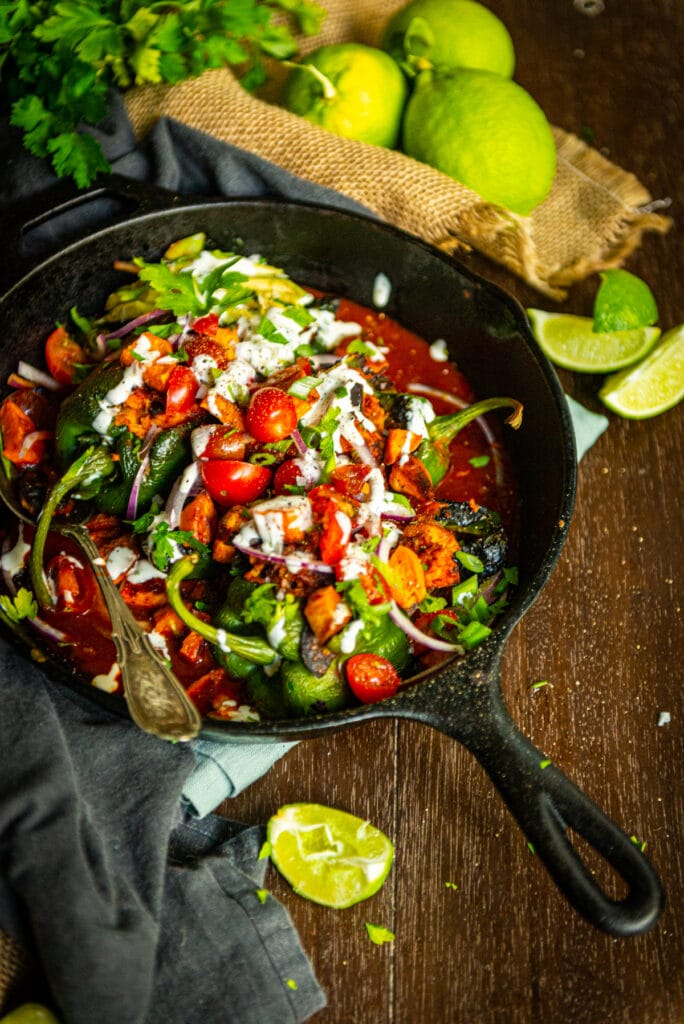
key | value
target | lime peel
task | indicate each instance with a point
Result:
(623, 303)
(654, 385)
(327, 855)
(571, 342)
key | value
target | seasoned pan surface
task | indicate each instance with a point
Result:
(487, 336)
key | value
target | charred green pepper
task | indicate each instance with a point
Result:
(86, 476)
(168, 453)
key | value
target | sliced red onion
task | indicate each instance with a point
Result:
(145, 318)
(20, 383)
(302, 557)
(299, 441)
(395, 512)
(185, 485)
(38, 377)
(401, 619)
(30, 440)
(102, 346)
(132, 506)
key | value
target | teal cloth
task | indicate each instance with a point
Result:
(222, 770)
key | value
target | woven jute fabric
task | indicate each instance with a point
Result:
(593, 218)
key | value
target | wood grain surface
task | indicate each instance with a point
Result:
(503, 947)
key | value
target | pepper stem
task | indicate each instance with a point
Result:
(86, 473)
(249, 647)
(443, 429)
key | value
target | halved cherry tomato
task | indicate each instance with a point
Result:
(335, 535)
(180, 391)
(206, 324)
(22, 418)
(288, 476)
(351, 480)
(271, 416)
(230, 482)
(62, 354)
(371, 677)
(73, 584)
(225, 442)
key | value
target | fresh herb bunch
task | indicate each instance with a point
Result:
(59, 60)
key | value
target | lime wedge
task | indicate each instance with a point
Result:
(571, 342)
(653, 385)
(623, 303)
(329, 856)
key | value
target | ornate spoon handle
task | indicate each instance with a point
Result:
(156, 700)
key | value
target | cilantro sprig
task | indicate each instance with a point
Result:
(59, 59)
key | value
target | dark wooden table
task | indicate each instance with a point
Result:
(504, 947)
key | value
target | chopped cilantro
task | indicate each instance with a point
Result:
(431, 604)
(361, 348)
(530, 847)
(164, 544)
(378, 934)
(470, 562)
(537, 686)
(261, 894)
(22, 606)
(268, 330)
(291, 983)
(478, 461)
(641, 843)
(451, 885)
(300, 315)
(544, 764)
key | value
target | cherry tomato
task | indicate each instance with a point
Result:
(74, 587)
(24, 442)
(371, 677)
(62, 354)
(206, 324)
(225, 442)
(334, 535)
(180, 391)
(287, 475)
(271, 416)
(230, 482)
(350, 480)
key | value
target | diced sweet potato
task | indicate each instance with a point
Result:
(200, 518)
(400, 442)
(407, 577)
(435, 546)
(326, 613)
(412, 479)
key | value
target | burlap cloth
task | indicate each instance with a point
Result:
(593, 218)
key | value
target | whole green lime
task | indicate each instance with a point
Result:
(450, 34)
(486, 132)
(353, 90)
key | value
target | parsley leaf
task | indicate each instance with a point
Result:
(22, 606)
(60, 59)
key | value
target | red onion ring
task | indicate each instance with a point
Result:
(145, 318)
(306, 561)
(36, 376)
(399, 618)
(132, 506)
(180, 492)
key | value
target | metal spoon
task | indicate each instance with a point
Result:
(156, 701)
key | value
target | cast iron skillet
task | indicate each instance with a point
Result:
(488, 337)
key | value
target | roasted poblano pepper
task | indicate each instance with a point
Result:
(249, 649)
(169, 452)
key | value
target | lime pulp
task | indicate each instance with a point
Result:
(571, 342)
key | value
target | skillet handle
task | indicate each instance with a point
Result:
(29, 234)
(546, 804)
